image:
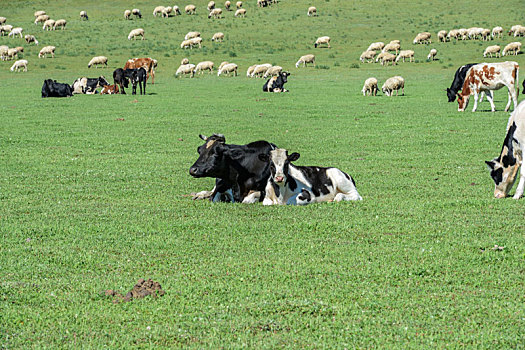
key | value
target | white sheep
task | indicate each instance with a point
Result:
(135, 33)
(176, 10)
(16, 31)
(312, 11)
(215, 13)
(95, 61)
(240, 13)
(30, 39)
(158, 10)
(432, 55)
(192, 35)
(485, 35)
(378, 46)
(393, 84)
(223, 64)
(11, 54)
(514, 47)
(260, 69)
(453, 34)
(39, 13)
(211, 5)
(392, 46)
(442, 35)
(191, 43)
(514, 28)
(7, 28)
(370, 87)
(60, 23)
(49, 25)
(474, 32)
(406, 54)
(273, 71)
(519, 32)
(190, 9)
(494, 49)
(219, 36)
(305, 59)
(463, 32)
(423, 38)
(227, 69)
(83, 15)
(368, 56)
(205, 65)
(227, 5)
(127, 14)
(322, 40)
(3, 52)
(249, 71)
(136, 13)
(3, 20)
(186, 69)
(41, 19)
(386, 57)
(19, 64)
(184, 61)
(238, 4)
(167, 11)
(47, 50)
(497, 31)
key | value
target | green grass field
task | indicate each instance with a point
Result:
(93, 189)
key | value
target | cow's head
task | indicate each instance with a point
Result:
(102, 81)
(279, 164)
(212, 157)
(284, 76)
(451, 95)
(462, 102)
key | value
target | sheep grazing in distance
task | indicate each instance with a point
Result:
(186, 69)
(249, 71)
(370, 87)
(227, 69)
(215, 13)
(442, 36)
(312, 11)
(273, 71)
(191, 42)
(158, 10)
(96, 61)
(60, 23)
(49, 25)
(176, 10)
(30, 39)
(223, 64)
(423, 38)
(83, 15)
(39, 13)
(406, 54)
(11, 54)
(211, 5)
(136, 13)
(240, 13)
(432, 55)
(514, 28)
(205, 65)
(463, 33)
(3, 52)
(519, 32)
(16, 31)
(166, 12)
(192, 35)
(184, 61)
(392, 46)
(3, 20)
(385, 57)
(127, 14)
(218, 37)
(514, 47)
(323, 40)
(190, 9)
(378, 46)
(497, 31)
(19, 64)
(393, 84)
(238, 4)
(41, 19)
(260, 69)
(305, 59)
(135, 33)
(5, 29)
(227, 5)
(492, 50)
(368, 56)
(47, 50)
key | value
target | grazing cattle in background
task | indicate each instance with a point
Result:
(88, 85)
(240, 175)
(110, 90)
(504, 168)
(121, 77)
(486, 77)
(51, 88)
(276, 83)
(137, 76)
(149, 64)
(290, 184)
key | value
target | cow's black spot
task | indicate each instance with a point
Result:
(497, 175)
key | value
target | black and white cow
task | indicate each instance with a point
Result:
(51, 88)
(88, 85)
(504, 168)
(276, 83)
(291, 184)
(457, 83)
(240, 175)
(137, 76)
(121, 78)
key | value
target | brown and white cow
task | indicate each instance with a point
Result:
(149, 64)
(484, 77)
(504, 168)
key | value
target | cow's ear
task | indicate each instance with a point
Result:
(293, 157)
(263, 157)
(203, 137)
(235, 154)
(491, 164)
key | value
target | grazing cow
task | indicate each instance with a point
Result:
(290, 184)
(504, 168)
(51, 88)
(121, 77)
(457, 83)
(109, 90)
(88, 85)
(276, 83)
(149, 64)
(487, 77)
(137, 76)
(240, 175)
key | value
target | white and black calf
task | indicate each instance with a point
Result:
(504, 168)
(300, 185)
(276, 83)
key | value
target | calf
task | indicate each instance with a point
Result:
(290, 184)
(109, 90)
(121, 77)
(276, 84)
(137, 76)
(487, 77)
(504, 168)
(149, 64)
(240, 175)
(51, 88)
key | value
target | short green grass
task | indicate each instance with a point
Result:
(93, 188)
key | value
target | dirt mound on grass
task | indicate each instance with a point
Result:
(142, 289)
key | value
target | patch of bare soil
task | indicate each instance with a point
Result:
(142, 289)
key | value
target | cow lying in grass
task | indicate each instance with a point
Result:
(276, 84)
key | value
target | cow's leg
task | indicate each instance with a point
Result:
(476, 96)
(490, 98)
(252, 197)
(521, 184)
(512, 97)
(344, 185)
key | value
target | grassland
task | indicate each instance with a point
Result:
(92, 188)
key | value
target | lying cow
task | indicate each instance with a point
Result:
(51, 88)
(88, 85)
(290, 184)
(240, 175)
(504, 168)
(276, 83)
(109, 90)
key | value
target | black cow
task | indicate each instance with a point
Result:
(51, 88)
(121, 77)
(276, 84)
(138, 76)
(240, 174)
(457, 83)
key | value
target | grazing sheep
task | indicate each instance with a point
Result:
(240, 13)
(312, 11)
(227, 5)
(273, 71)
(386, 57)
(463, 32)
(393, 84)
(186, 44)
(127, 14)
(191, 42)
(190, 9)
(514, 47)
(135, 33)
(83, 15)
(95, 61)
(3, 20)
(406, 54)
(260, 69)
(370, 87)
(376, 46)
(205, 65)
(11, 53)
(494, 49)
(211, 5)
(5, 29)
(453, 34)
(41, 19)
(186, 69)
(305, 59)
(192, 35)
(227, 69)
(442, 36)
(368, 56)
(432, 55)
(249, 71)
(176, 10)
(166, 12)
(497, 31)
(392, 46)
(184, 61)
(485, 35)
(49, 25)
(158, 10)
(218, 37)
(39, 13)
(60, 23)
(322, 40)
(215, 13)
(474, 32)
(423, 38)
(30, 39)
(47, 50)
(19, 64)
(519, 32)
(223, 64)
(238, 4)
(514, 28)
(136, 13)
(3, 52)
(16, 31)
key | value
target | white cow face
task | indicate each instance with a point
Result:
(503, 176)
(280, 163)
